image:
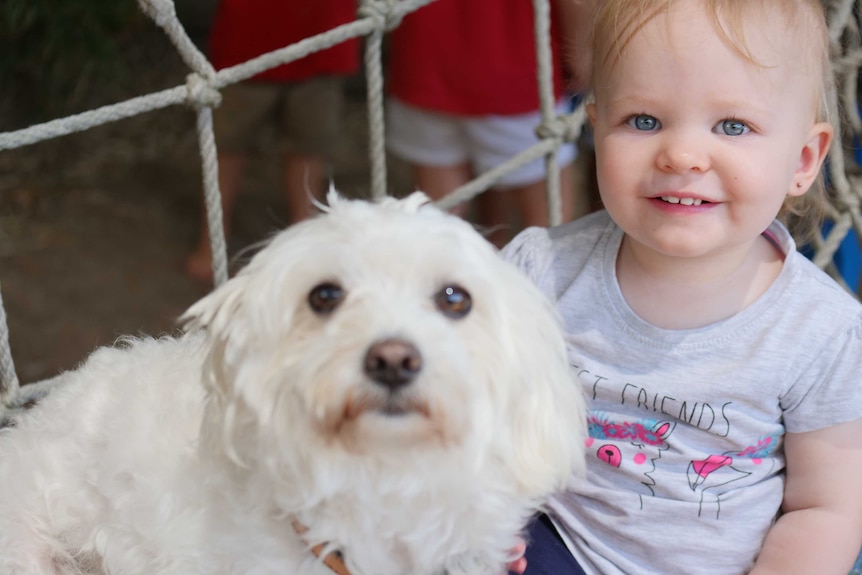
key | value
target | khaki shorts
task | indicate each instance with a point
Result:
(307, 116)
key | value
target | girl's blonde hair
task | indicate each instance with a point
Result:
(616, 22)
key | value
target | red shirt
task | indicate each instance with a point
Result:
(244, 29)
(469, 57)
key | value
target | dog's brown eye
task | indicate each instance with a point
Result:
(325, 297)
(453, 301)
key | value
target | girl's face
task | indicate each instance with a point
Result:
(697, 147)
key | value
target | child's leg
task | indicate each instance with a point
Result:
(546, 553)
(435, 146)
(439, 181)
(532, 199)
(304, 180)
(237, 122)
(312, 119)
(494, 216)
(495, 140)
(198, 265)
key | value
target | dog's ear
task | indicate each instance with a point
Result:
(549, 408)
(221, 315)
(216, 309)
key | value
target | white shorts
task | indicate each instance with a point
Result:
(434, 139)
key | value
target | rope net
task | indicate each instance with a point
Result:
(374, 19)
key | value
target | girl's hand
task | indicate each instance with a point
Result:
(518, 563)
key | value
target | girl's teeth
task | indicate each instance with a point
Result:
(683, 201)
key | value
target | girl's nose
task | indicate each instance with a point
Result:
(681, 153)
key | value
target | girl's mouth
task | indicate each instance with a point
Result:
(683, 201)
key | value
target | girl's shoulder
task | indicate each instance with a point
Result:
(535, 245)
(805, 287)
(553, 258)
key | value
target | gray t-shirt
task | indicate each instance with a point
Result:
(684, 458)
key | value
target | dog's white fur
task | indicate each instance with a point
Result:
(194, 454)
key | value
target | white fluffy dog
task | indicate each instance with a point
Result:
(376, 385)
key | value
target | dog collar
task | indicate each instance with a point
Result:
(334, 560)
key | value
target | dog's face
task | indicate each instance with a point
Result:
(376, 330)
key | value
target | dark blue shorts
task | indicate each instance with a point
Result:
(546, 552)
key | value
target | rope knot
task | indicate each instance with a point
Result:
(383, 13)
(556, 129)
(160, 11)
(201, 93)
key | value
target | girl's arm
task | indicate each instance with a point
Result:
(820, 530)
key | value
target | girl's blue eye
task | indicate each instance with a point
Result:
(732, 128)
(644, 122)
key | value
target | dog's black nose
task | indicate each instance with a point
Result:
(393, 362)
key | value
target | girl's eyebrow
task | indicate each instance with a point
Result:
(648, 102)
(743, 108)
(635, 100)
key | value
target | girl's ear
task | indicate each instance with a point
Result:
(811, 158)
(591, 112)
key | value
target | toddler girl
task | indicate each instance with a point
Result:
(724, 370)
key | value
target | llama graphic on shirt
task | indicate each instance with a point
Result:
(635, 449)
(718, 470)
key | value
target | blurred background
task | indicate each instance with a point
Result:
(94, 226)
